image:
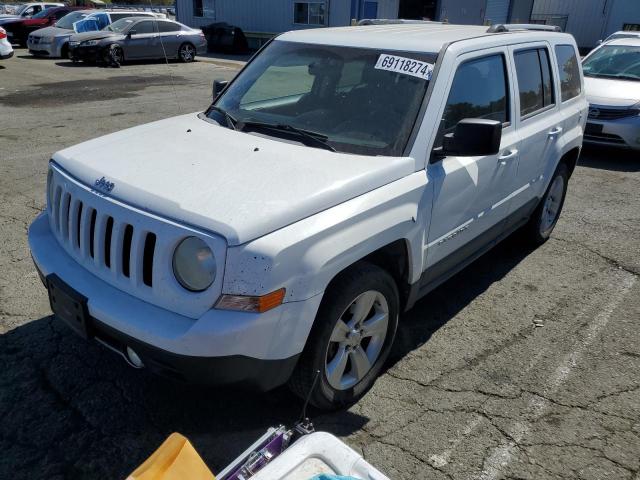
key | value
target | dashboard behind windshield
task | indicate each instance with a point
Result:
(363, 101)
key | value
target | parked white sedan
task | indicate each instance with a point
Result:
(612, 84)
(6, 50)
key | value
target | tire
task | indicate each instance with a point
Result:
(186, 53)
(116, 53)
(338, 349)
(543, 220)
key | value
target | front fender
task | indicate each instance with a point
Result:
(305, 256)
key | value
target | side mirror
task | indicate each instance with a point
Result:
(131, 32)
(473, 137)
(218, 87)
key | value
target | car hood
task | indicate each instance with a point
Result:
(7, 17)
(100, 34)
(239, 185)
(10, 20)
(611, 92)
(52, 32)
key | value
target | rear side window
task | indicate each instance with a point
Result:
(60, 13)
(169, 27)
(568, 71)
(535, 84)
(479, 90)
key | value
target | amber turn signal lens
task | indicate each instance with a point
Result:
(251, 304)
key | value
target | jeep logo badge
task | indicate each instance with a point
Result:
(594, 112)
(104, 185)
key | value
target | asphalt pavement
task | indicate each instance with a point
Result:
(526, 365)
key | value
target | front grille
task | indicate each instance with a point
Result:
(126, 247)
(600, 113)
(116, 247)
(34, 40)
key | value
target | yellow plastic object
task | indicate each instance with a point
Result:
(176, 459)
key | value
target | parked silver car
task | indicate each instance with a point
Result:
(612, 85)
(54, 41)
(138, 38)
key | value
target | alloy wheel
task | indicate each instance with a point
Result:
(357, 340)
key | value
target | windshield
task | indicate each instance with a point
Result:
(614, 61)
(357, 100)
(44, 13)
(68, 20)
(21, 9)
(120, 25)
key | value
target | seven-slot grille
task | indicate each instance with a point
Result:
(598, 113)
(122, 245)
(33, 39)
(115, 247)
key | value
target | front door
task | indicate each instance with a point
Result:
(471, 194)
(144, 43)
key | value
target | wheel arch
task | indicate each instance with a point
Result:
(570, 158)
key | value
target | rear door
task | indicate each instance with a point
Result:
(170, 37)
(539, 123)
(471, 194)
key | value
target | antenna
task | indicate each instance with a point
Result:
(164, 53)
(303, 416)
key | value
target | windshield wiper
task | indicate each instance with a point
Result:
(231, 122)
(312, 139)
(612, 75)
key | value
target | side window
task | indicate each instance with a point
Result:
(169, 27)
(60, 13)
(479, 90)
(534, 80)
(568, 71)
(147, 26)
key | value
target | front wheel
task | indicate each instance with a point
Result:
(544, 218)
(351, 338)
(187, 53)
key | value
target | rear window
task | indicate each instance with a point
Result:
(535, 85)
(569, 71)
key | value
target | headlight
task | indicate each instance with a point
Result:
(46, 40)
(194, 264)
(89, 43)
(74, 44)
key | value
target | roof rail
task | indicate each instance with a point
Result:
(391, 21)
(509, 27)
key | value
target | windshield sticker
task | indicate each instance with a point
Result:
(408, 66)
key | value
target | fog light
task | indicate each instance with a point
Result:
(134, 359)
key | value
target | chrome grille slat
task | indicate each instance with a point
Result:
(85, 220)
(99, 240)
(137, 254)
(117, 237)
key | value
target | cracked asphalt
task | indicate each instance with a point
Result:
(526, 365)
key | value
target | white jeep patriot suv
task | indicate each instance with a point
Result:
(342, 175)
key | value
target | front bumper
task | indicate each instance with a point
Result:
(220, 347)
(623, 132)
(87, 54)
(41, 49)
(4, 56)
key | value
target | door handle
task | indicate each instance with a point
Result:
(509, 154)
(555, 131)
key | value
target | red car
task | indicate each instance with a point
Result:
(19, 30)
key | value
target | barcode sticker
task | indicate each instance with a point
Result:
(408, 66)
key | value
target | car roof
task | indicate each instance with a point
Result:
(419, 37)
(631, 41)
